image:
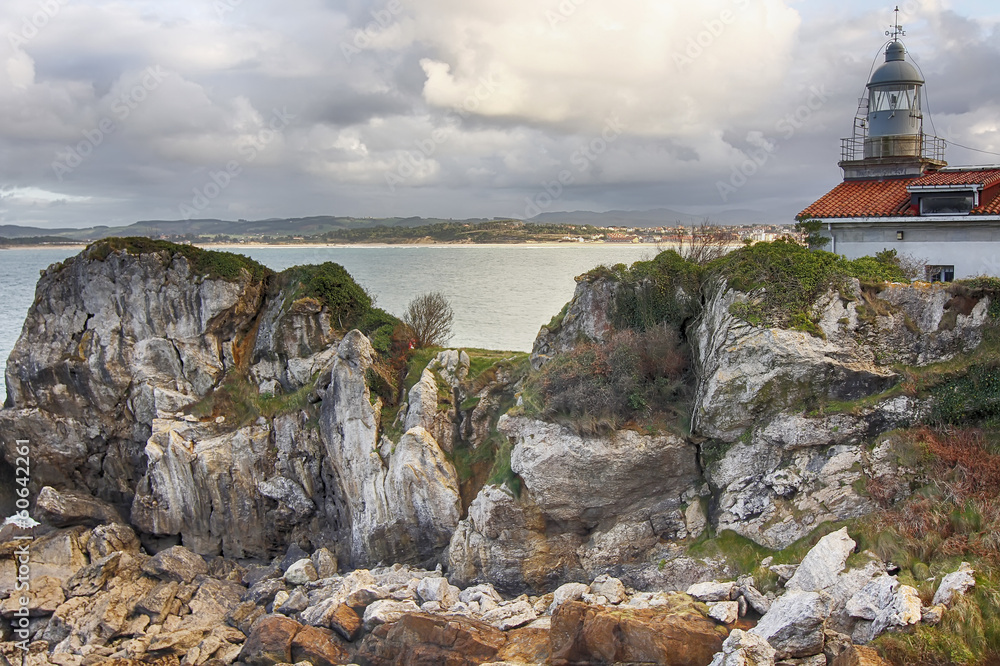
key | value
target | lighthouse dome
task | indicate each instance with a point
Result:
(895, 70)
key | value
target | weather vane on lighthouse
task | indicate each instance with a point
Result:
(897, 30)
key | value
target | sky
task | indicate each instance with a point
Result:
(113, 112)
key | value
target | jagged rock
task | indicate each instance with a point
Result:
(60, 554)
(264, 591)
(784, 571)
(402, 509)
(587, 317)
(504, 541)
(44, 597)
(109, 341)
(256, 574)
(712, 591)
(744, 648)
(318, 647)
(954, 584)
(270, 641)
(873, 597)
(756, 600)
(176, 563)
(932, 615)
(345, 622)
(527, 645)
(107, 539)
(325, 563)
(725, 612)
(568, 592)
(794, 625)
(244, 616)
(587, 634)
(608, 587)
(387, 611)
(820, 568)
(438, 589)
(67, 508)
(585, 479)
(301, 572)
(158, 602)
(905, 609)
(510, 615)
(425, 640)
(422, 403)
(849, 584)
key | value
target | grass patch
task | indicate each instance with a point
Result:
(210, 263)
(239, 401)
(740, 553)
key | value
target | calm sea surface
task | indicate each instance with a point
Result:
(501, 294)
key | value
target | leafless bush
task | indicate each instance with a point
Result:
(705, 243)
(429, 318)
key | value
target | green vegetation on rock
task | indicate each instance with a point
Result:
(212, 264)
(784, 280)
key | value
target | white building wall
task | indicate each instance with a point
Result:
(971, 250)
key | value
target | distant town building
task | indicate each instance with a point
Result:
(899, 192)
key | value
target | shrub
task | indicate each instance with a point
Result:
(601, 386)
(429, 318)
(785, 279)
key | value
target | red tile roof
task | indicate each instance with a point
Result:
(890, 198)
(863, 198)
(977, 177)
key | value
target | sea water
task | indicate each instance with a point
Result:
(501, 294)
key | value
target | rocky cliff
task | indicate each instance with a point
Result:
(729, 414)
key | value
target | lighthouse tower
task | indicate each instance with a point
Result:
(889, 139)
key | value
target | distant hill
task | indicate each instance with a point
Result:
(273, 227)
(656, 217)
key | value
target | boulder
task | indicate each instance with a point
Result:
(794, 625)
(822, 565)
(588, 634)
(724, 612)
(325, 562)
(387, 611)
(301, 572)
(744, 648)
(345, 622)
(270, 641)
(954, 584)
(582, 480)
(176, 563)
(111, 538)
(436, 588)
(608, 587)
(319, 647)
(420, 639)
(568, 592)
(712, 591)
(68, 508)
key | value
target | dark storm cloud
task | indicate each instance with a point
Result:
(111, 113)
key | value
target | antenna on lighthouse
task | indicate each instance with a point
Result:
(897, 30)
